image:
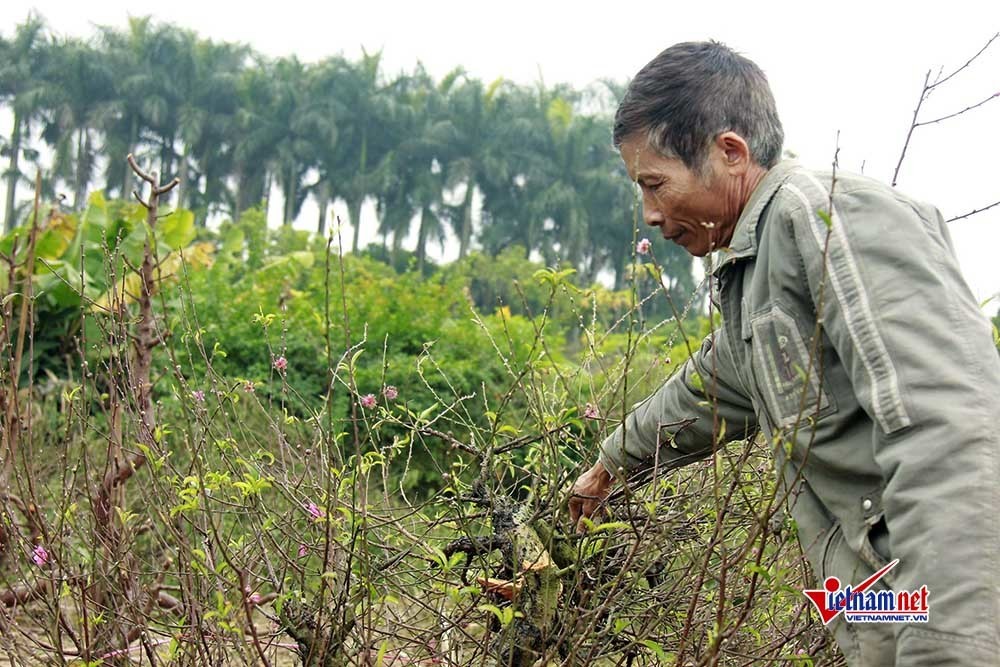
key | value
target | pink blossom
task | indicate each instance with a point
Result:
(390, 392)
(314, 510)
(40, 555)
(280, 364)
(254, 598)
(198, 395)
(590, 412)
(368, 401)
(249, 387)
(303, 551)
(643, 246)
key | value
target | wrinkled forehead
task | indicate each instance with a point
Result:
(637, 154)
(642, 159)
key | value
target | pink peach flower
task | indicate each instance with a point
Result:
(40, 555)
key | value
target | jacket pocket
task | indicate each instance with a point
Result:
(786, 370)
(831, 556)
(875, 548)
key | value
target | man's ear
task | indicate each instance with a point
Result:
(735, 152)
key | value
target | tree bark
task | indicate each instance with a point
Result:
(362, 167)
(422, 240)
(354, 213)
(133, 138)
(290, 186)
(324, 204)
(13, 173)
(82, 150)
(533, 558)
(182, 193)
(465, 233)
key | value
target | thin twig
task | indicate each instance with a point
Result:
(913, 126)
(973, 212)
(925, 92)
(938, 82)
(958, 113)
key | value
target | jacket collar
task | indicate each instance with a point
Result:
(744, 241)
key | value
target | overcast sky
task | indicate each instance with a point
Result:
(856, 67)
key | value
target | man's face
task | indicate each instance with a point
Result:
(692, 209)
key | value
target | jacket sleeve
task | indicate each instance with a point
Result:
(891, 298)
(682, 414)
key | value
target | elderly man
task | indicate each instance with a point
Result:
(849, 337)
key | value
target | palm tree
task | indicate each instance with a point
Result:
(306, 113)
(474, 133)
(209, 103)
(253, 137)
(22, 85)
(282, 131)
(145, 61)
(369, 129)
(77, 100)
(323, 89)
(578, 190)
(414, 183)
(504, 183)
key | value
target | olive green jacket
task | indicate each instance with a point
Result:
(892, 420)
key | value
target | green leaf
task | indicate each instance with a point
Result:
(825, 217)
(232, 241)
(658, 650)
(380, 657)
(56, 238)
(96, 212)
(423, 416)
(177, 229)
(610, 526)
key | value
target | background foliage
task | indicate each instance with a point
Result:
(231, 123)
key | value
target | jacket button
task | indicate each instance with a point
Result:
(866, 504)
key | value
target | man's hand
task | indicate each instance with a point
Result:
(588, 493)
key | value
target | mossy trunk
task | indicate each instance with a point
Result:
(534, 563)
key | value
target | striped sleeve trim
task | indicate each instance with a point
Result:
(855, 305)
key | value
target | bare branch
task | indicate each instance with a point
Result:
(928, 87)
(958, 113)
(456, 444)
(973, 212)
(24, 593)
(939, 81)
(913, 125)
(168, 187)
(140, 173)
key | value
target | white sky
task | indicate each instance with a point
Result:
(856, 67)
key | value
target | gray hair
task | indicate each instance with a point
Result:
(693, 92)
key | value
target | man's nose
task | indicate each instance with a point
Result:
(652, 215)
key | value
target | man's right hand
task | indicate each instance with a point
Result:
(588, 493)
